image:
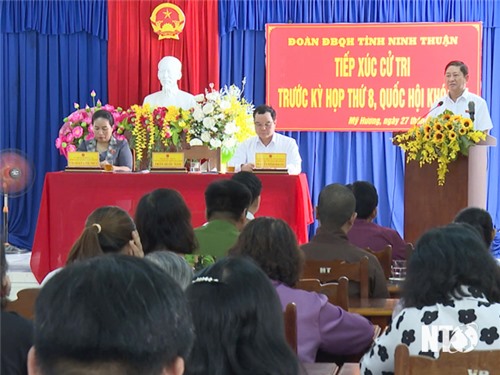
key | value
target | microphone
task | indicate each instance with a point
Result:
(440, 103)
(472, 109)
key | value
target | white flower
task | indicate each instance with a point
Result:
(215, 143)
(199, 98)
(230, 128)
(205, 137)
(224, 104)
(195, 142)
(209, 122)
(198, 114)
(234, 91)
(229, 143)
(213, 96)
(208, 108)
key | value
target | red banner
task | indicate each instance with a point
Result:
(364, 77)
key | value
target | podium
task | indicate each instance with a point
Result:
(427, 205)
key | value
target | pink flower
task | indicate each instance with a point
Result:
(92, 93)
(58, 142)
(70, 137)
(78, 132)
(89, 136)
(76, 105)
(76, 116)
(119, 137)
(71, 148)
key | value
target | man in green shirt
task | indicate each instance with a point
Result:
(226, 203)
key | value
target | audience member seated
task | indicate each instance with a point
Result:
(253, 183)
(16, 332)
(479, 219)
(110, 315)
(266, 141)
(108, 229)
(226, 203)
(336, 215)
(238, 322)
(320, 325)
(163, 221)
(111, 150)
(364, 232)
(174, 265)
(169, 72)
(452, 282)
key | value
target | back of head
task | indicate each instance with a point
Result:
(272, 244)
(251, 181)
(173, 265)
(366, 198)
(114, 314)
(163, 221)
(336, 204)
(108, 229)
(480, 219)
(444, 260)
(263, 109)
(239, 322)
(227, 198)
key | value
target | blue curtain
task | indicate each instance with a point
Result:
(53, 53)
(345, 157)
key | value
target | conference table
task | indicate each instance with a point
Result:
(68, 198)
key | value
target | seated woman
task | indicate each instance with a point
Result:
(108, 229)
(111, 151)
(164, 222)
(320, 325)
(238, 323)
(451, 281)
(479, 219)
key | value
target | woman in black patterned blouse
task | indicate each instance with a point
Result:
(451, 300)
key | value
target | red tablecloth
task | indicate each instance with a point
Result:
(68, 198)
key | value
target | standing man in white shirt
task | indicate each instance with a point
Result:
(266, 141)
(459, 100)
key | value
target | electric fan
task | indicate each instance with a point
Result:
(17, 175)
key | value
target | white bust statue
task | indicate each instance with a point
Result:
(169, 72)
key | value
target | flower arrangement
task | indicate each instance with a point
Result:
(440, 139)
(77, 127)
(156, 128)
(221, 119)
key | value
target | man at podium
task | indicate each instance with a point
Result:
(459, 100)
(266, 141)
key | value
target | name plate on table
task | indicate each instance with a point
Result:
(167, 162)
(83, 161)
(270, 162)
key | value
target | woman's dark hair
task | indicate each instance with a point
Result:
(107, 230)
(273, 245)
(106, 115)
(444, 260)
(238, 322)
(164, 222)
(480, 219)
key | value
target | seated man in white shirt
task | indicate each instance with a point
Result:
(266, 141)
